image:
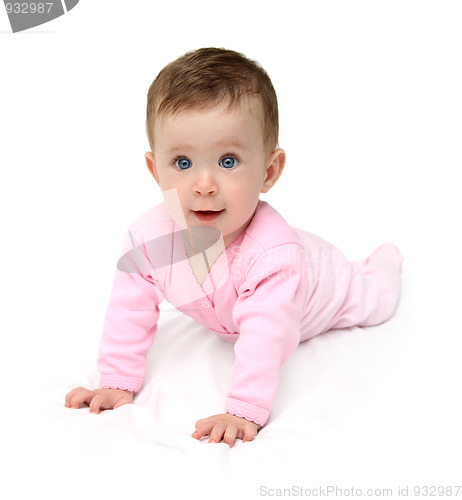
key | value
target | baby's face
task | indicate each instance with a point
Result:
(217, 162)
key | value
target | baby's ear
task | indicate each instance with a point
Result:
(275, 166)
(151, 164)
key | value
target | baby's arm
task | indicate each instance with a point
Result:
(99, 399)
(128, 332)
(267, 314)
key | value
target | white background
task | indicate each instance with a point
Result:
(370, 118)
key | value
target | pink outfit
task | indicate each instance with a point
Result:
(274, 287)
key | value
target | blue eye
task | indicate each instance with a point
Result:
(228, 162)
(183, 163)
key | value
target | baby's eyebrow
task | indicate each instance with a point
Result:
(233, 143)
(224, 144)
(182, 148)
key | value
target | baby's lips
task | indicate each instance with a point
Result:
(26, 15)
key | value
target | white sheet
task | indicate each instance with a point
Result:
(371, 407)
(335, 421)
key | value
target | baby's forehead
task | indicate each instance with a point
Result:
(243, 119)
(249, 106)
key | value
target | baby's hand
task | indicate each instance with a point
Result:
(227, 427)
(99, 399)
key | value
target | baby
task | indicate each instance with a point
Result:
(219, 254)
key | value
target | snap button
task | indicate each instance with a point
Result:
(205, 304)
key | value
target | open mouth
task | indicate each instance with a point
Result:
(207, 215)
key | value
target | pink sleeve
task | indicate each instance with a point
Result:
(128, 330)
(268, 313)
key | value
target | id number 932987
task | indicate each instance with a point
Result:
(28, 8)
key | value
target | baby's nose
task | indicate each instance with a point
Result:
(205, 183)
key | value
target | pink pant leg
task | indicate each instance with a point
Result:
(375, 289)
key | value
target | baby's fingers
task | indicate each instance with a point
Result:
(230, 435)
(203, 428)
(249, 433)
(67, 400)
(101, 401)
(217, 433)
(78, 396)
(124, 400)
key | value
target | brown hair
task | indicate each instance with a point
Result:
(204, 78)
